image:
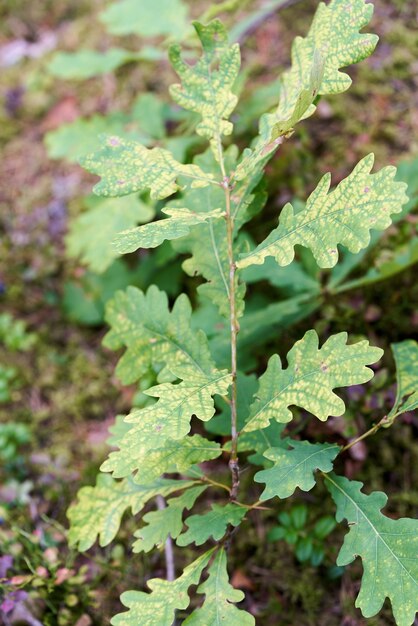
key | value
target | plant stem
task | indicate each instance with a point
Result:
(385, 422)
(233, 461)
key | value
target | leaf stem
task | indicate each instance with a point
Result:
(206, 479)
(385, 422)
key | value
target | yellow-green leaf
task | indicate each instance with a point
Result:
(99, 509)
(211, 524)
(206, 86)
(219, 609)
(362, 201)
(333, 42)
(165, 522)
(406, 359)
(152, 457)
(388, 549)
(168, 419)
(127, 166)
(310, 378)
(158, 608)
(152, 235)
(154, 336)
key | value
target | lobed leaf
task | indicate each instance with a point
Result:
(152, 235)
(99, 509)
(154, 336)
(165, 522)
(158, 608)
(211, 524)
(388, 549)
(406, 358)
(333, 42)
(206, 87)
(295, 467)
(310, 378)
(127, 166)
(169, 418)
(362, 201)
(218, 608)
(153, 456)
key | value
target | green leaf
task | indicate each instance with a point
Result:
(92, 232)
(166, 521)
(99, 509)
(148, 18)
(171, 415)
(211, 524)
(154, 455)
(406, 359)
(154, 336)
(299, 515)
(260, 441)
(158, 608)
(274, 126)
(324, 526)
(345, 216)
(127, 166)
(333, 42)
(295, 468)
(77, 139)
(304, 549)
(152, 235)
(388, 549)
(85, 300)
(218, 608)
(84, 64)
(210, 260)
(393, 262)
(117, 430)
(310, 378)
(207, 85)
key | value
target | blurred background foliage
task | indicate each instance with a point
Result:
(72, 70)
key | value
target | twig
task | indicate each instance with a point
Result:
(168, 546)
(385, 422)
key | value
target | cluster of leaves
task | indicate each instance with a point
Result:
(92, 232)
(308, 541)
(160, 444)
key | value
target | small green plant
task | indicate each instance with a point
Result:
(12, 437)
(15, 338)
(204, 372)
(8, 377)
(13, 334)
(307, 538)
